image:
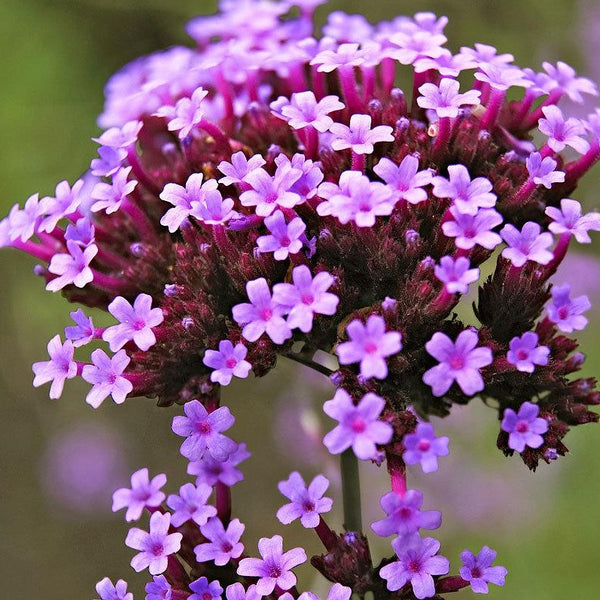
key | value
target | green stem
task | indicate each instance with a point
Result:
(351, 491)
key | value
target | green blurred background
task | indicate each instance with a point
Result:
(57, 539)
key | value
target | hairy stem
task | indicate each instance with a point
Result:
(351, 491)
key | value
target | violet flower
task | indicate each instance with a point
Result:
(155, 546)
(478, 570)
(423, 447)
(359, 425)
(525, 428)
(275, 566)
(223, 544)
(143, 493)
(369, 344)
(307, 503)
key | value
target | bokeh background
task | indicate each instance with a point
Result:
(60, 461)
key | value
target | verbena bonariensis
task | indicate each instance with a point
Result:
(270, 193)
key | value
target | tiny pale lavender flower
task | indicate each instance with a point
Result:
(369, 344)
(478, 570)
(155, 546)
(359, 424)
(307, 503)
(525, 428)
(223, 545)
(143, 493)
(422, 447)
(525, 353)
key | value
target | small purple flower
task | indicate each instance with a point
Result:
(446, 64)
(58, 369)
(423, 447)
(344, 56)
(568, 219)
(312, 175)
(359, 136)
(404, 515)
(285, 238)
(567, 313)
(187, 200)
(303, 110)
(417, 563)
(416, 44)
(211, 471)
(203, 431)
(460, 361)
(155, 546)
(541, 171)
(65, 203)
(468, 196)
(369, 344)
(478, 570)
(502, 76)
(143, 493)
(525, 428)
(205, 590)
(236, 591)
(471, 231)
(24, 222)
(307, 503)
(405, 178)
(223, 545)
(455, 274)
(135, 323)
(82, 232)
(445, 99)
(525, 353)
(190, 504)
(527, 244)
(306, 297)
(565, 78)
(269, 192)
(83, 331)
(110, 161)
(120, 137)
(562, 132)
(483, 53)
(186, 113)
(274, 569)
(72, 268)
(227, 362)
(239, 167)
(356, 198)
(106, 377)
(110, 196)
(359, 425)
(159, 589)
(107, 591)
(336, 592)
(262, 314)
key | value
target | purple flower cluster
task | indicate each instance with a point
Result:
(270, 193)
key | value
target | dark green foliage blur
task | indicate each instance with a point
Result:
(55, 58)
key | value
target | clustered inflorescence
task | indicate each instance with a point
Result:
(271, 193)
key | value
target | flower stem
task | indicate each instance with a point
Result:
(351, 491)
